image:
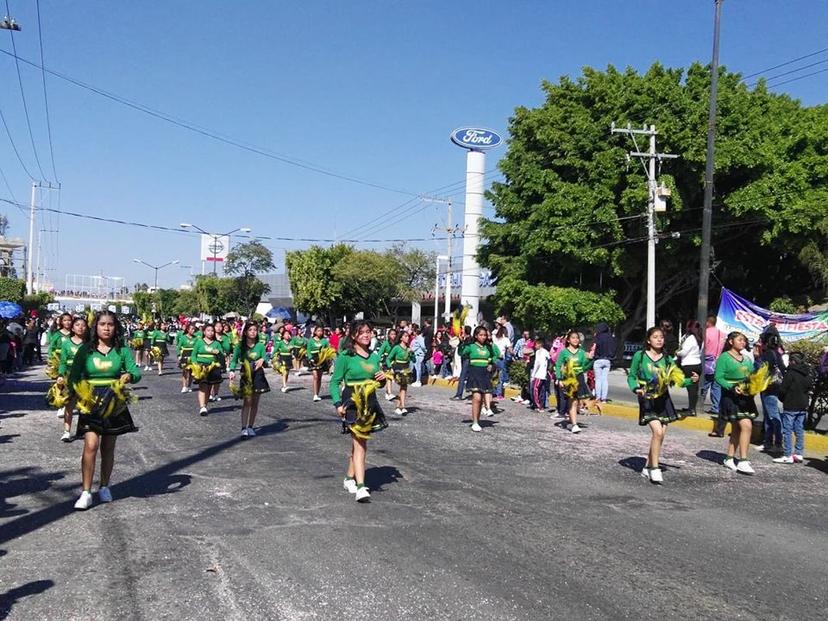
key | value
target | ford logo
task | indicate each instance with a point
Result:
(475, 138)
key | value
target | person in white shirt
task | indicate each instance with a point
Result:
(540, 376)
(689, 353)
(504, 346)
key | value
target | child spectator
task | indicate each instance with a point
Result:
(793, 391)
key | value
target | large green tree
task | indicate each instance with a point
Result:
(570, 211)
(244, 262)
(312, 283)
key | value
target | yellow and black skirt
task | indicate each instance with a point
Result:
(363, 414)
(478, 379)
(106, 413)
(184, 358)
(402, 373)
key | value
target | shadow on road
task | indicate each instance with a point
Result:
(378, 476)
(817, 464)
(714, 456)
(637, 464)
(8, 438)
(12, 596)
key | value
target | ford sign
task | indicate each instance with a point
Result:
(475, 138)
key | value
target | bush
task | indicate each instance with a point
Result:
(518, 374)
(811, 350)
(12, 290)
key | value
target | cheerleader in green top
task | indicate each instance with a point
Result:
(297, 343)
(383, 351)
(250, 353)
(570, 368)
(736, 406)
(137, 344)
(80, 332)
(148, 337)
(205, 363)
(282, 356)
(184, 343)
(158, 338)
(314, 348)
(100, 370)
(359, 370)
(61, 330)
(650, 375)
(225, 341)
(399, 361)
(481, 355)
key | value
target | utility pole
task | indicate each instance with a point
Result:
(29, 277)
(707, 212)
(450, 230)
(652, 156)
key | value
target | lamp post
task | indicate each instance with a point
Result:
(156, 268)
(440, 257)
(215, 237)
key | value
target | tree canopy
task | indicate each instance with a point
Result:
(570, 212)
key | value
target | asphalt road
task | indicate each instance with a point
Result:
(522, 521)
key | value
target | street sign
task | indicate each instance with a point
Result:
(53, 306)
(125, 310)
(112, 308)
(96, 306)
(475, 138)
(79, 308)
(215, 247)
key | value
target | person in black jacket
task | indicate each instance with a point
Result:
(793, 391)
(604, 353)
(670, 339)
(771, 354)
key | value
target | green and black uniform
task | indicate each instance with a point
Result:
(399, 361)
(281, 348)
(643, 375)
(67, 356)
(383, 352)
(159, 340)
(481, 365)
(730, 373)
(251, 355)
(56, 341)
(580, 366)
(103, 371)
(353, 385)
(296, 345)
(208, 355)
(184, 345)
(139, 336)
(313, 347)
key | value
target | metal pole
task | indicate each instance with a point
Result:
(470, 291)
(436, 290)
(651, 233)
(707, 213)
(449, 273)
(29, 278)
(215, 252)
(156, 279)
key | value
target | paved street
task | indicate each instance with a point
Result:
(522, 521)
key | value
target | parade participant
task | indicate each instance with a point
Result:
(651, 374)
(297, 345)
(736, 406)
(205, 365)
(482, 356)
(282, 356)
(383, 351)
(570, 368)
(159, 349)
(139, 335)
(185, 341)
(356, 403)
(225, 342)
(148, 339)
(59, 332)
(318, 354)
(250, 353)
(399, 361)
(68, 350)
(101, 369)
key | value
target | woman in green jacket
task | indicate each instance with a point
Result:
(282, 356)
(313, 350)
(737, 406)
(481, 355)
(250, 354)
(100, 370)
(205, 363)
(184, 343)
(68, 351)
(573, 362)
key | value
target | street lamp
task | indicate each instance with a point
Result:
(215, 237)
(8, 23)
(440, 257)
(156, 268)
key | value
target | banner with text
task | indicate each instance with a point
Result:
(737, 314)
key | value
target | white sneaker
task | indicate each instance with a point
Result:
(476, 427)
(317, 398)
(362, 494)
(210, 398)
(729, 463)
(146, 368)
(284, 388)
(786, 459)
(184, 390)
(244, 432)
(398, 412)
(350, 486)
(416, 384)
(744, 467)
(216, 398)
(84, 502)
(189, 389)
(798, 459)
(526, 402)
(646, 472)
(250, 432)
(104, 495)
(404, 412)
(389, 396)
(655, 476)
(202, 412)
(575, 429)
(66, 437)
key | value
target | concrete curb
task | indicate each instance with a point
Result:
(816, 444)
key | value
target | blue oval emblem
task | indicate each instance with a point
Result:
(475, 138)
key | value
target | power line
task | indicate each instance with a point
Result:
(45, 94)
(783, 74)
(23, 97)
(14, 146)
(292, 161)
(801, 77)
(785, 64)
(8, 187)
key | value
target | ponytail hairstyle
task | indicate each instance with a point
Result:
(350, 339)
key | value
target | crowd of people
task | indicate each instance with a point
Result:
(94, 359)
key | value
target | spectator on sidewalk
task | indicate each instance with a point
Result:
(671, 343)
(793, 391)
(504, 347)
(418, 348)
(539, 378)
(689, 354)
(604, 353)
(771, 353)
(714, 340)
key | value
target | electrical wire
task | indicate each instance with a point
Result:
(8, 187)
(782, 75)
(23, 97)
(45, 94)
(14, 146)
(801, 77)
(785, 64)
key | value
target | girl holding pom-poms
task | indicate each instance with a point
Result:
(250, 353)
(573, 362)
(651, 374)
(68, 351)
(185, 341)
(100, 372)
(205, 365)
(319, 354)
(282, 356)
(399, 361)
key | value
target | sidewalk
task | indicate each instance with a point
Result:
(816, 444)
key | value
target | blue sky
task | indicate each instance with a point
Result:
(368, 89)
